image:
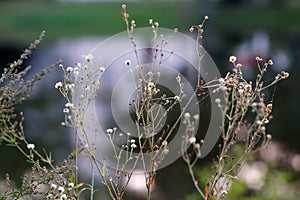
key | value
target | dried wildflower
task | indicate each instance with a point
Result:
(176, 98)
(224, 191)
(232, 59)
(78, 65)
(63, 197)
(218, 101)
(150, 21)
(269, 106)
(66, 110)
(87, 88)
(196, 117)
(239, 65)
(88, 57)
(192, 29)
(270, 62)
(30, 146)
(221, 80)
(102, 69)
(239, 91)
(151, 85)
(165, 151)
(14, 90)
(187, 115)
(76, 72)
(265, 121)
(165, 143)
(61, 189)
(70, 86)
(109, 131)
(53, 186)
(96, 84)
(58, 85)
(50, 197)
(285, 75)
(259, 122)
(258, 58)
(133, 24)
(69, 69)
(128, 62)
(69, 105)
(178, 78)
(192, 140)
(70, 186)
(132, 141)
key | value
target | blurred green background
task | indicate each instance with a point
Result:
(246, 28)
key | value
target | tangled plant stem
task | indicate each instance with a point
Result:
(241, 98)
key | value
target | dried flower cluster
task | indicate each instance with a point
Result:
(13, 91)
(245, 114)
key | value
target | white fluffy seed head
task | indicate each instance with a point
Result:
(232, 59)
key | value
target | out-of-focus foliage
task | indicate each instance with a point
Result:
(259, 180)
